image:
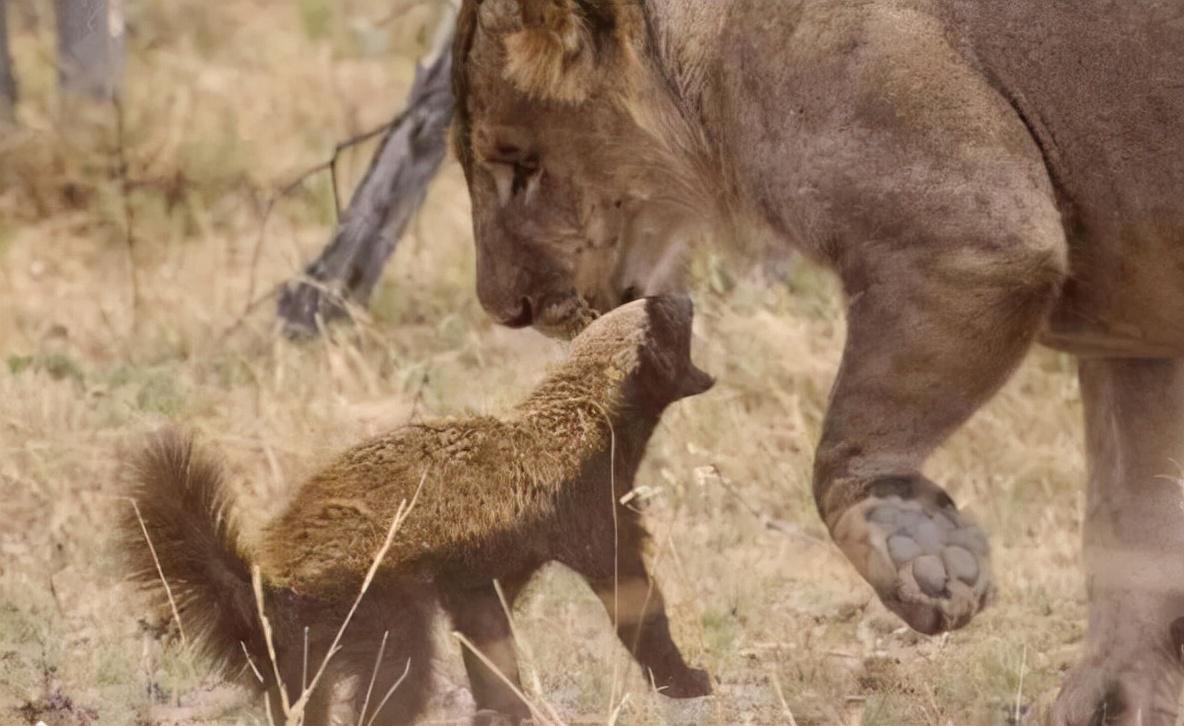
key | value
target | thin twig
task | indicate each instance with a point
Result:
(1019, 693)
(257, 587)
(612, 497)
(251, 307)
(167, 590)
(535, 712)
(251, 661)
(390, 692)
(374, 676)
(781, 697)
(331, 166)
(501, 597)
(769, 523)
(304, 667)
(400, 515)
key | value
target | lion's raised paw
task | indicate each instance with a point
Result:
(928, 564)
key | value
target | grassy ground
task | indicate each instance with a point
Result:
(228, 101)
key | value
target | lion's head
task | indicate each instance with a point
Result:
(571, 192)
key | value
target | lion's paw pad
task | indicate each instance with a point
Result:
(928, 564)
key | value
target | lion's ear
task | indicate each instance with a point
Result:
(554, 55)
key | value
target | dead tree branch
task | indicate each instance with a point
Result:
(383, 205)
(90, 47)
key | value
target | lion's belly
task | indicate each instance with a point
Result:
(1123, 300)
(1101, 87)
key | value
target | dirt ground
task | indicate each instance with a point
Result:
(123, 304)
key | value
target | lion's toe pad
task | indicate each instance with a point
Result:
(928, 564)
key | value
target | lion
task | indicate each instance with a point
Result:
(980, 175)
(494, 499)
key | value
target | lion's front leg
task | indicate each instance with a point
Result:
(1131, 670)
(937, 323)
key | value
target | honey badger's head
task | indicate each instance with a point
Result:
(647, 344)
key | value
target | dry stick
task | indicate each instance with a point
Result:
(384, 202)
(331, 167)
(304, 667)
(501, 596)
(781, 697)
(1019, 693)
(257, 587)
(251, 661)
(297, 708)
(390, 692)
(612, 496)
(374, 676)
(616, 713)
(167, 590)
(251, 307)
(768, 522)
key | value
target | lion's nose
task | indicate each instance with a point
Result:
(521, 318)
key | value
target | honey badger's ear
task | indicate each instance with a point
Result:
(556, 53)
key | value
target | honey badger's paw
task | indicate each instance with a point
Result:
(490, 717)
(927, 562)
(691, 683)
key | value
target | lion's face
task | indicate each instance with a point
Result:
(556, 199)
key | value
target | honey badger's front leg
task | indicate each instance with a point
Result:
(614, 567)
(943, 305)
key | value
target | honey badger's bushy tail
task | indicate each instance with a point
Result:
(182, 500)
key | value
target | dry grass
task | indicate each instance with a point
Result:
(225, 102)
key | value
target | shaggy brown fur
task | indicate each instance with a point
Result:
(980, 174)
(500, 498)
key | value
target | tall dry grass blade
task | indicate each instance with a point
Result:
(374, 676)
(257, 587)
(612, 496)
(168, 591)
(389, 692)
(251, 661)
(785, 709)
(616, 712)
(525, 648)
(535, 712)
(396, 522)
(304, 667)
(1019, 691)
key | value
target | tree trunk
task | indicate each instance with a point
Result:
(7, 77)
(90, 47)
(384, 203)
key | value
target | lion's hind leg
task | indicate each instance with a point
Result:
(1131, 671)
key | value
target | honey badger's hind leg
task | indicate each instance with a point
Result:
(392, 681)
(1131, 673)
(477, 614)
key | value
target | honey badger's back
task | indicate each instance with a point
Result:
(471, 471)
(489, 483)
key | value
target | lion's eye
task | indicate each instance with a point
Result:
(515, 176)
